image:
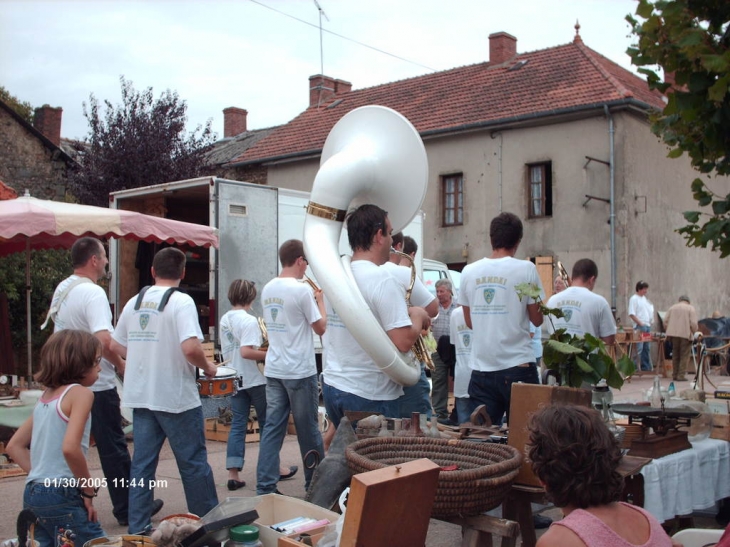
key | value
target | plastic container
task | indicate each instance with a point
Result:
(244, 535)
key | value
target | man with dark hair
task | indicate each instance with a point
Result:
(397, 245)
(681, 321)
(410, 247)
(159, 335)
(291, 313)
(641, 312)
(502, 352)
(79, 303)
(415, 398)
(584, 311)
(351, 379)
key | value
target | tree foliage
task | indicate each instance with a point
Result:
(23, 108)
(690, 41)
(138, 143)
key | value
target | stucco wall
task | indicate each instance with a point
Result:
(25, 163)
(651, 193)
(657, 192)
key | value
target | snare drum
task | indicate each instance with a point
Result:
(222, 385)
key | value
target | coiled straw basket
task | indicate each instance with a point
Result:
(485, 471)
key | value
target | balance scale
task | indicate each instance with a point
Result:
(664, 438)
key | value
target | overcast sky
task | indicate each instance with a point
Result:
(259, 54)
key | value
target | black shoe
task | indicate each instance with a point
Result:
(540, 521)
(292, 471)
(157, 506)
(235, 485)
(447, 421)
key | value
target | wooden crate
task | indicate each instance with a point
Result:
(216, 431)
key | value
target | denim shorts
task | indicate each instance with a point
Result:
(61, 514)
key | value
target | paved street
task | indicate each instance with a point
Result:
(440, 534)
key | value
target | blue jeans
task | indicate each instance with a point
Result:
(464, 407)
(186, 434)
(301, 399)
(494, 389)
(336, 402)
(106, 427)
(60, 510)
(643, 351)
(415, 398)
(241, 407)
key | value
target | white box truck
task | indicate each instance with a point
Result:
(252, 221)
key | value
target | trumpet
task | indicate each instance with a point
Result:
(308, 280)
(264, 343)
(419, 348)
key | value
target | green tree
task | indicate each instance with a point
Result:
(690, 41)
(138, 143)
(24, 108)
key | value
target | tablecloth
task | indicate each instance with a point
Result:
(686, 481)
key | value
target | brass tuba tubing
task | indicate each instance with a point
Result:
(563, 274)
(419, 348)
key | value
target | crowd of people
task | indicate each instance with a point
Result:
(487, 338)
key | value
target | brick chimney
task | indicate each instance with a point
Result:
(47, 120)
(502, 47)
(321, 89)
(234, 121)
(341, 86)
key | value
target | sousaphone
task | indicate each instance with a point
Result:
(372, 155)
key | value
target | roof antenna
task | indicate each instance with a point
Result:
(321, 48)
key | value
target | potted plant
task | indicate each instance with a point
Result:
(577, 359)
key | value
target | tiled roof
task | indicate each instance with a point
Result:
(225, 150)
(531, 84)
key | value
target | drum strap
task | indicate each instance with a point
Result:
(163, 302)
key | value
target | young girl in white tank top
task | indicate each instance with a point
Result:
(59, 488)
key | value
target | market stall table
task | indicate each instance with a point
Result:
(687, 481)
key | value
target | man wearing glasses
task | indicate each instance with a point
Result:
(291, 313)
(79, 303)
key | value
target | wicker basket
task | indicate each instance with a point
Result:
(485, 471)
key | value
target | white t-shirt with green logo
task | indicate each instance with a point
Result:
(238, 329)
(289, 311)
(498, 317)
(585, 312)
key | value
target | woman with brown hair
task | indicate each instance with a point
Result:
(576, 458)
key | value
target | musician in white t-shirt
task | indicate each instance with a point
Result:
(159, 335)
(502, 353)
(584, 311)
(351, 379)
(291, 313)
(416, 398)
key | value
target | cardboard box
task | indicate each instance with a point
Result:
(273, 508)
(718, 406)
(216, 431)
(720, 427)
(525, 400)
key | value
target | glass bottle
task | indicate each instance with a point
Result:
(244, 535)
(656, 393)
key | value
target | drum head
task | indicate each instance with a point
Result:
(225, 372)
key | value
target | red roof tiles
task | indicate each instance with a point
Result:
(533, 84)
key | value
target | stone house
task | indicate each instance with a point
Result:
(32, 156)
(559, 136)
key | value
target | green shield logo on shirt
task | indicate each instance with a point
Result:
(274, 313)
(467, 340)
(144, 320)
(567, 314)
(488, 295)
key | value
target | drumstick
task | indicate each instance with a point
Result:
(224, 363)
